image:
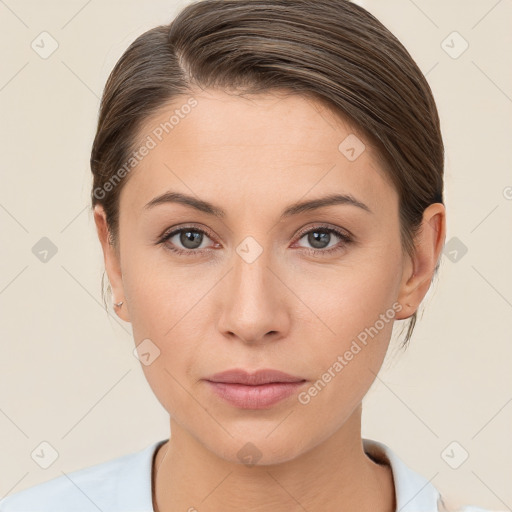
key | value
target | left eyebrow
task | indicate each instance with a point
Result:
(329, 200)
(294, 209)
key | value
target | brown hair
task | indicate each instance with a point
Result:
(331, 50)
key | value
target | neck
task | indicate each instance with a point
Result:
(334, 475)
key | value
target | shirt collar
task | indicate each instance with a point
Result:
(134, 485)
(413, 492)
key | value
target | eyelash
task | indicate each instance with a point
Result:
(345, 240)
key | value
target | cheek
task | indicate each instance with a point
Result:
(352, 326)
(165, 312)
(349, 299)
(346, 363)
(159, 292)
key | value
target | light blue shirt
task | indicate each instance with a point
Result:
(123, 484)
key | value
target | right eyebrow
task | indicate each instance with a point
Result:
(177, 197)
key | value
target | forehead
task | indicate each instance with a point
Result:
(221, 144)
(272, 118)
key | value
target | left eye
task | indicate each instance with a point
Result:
(320, 238)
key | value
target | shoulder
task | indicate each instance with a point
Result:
(82, 489)
(413, 492)
(110, 486)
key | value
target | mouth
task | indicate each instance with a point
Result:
(258, 390)
(264, 376)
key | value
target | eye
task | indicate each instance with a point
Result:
(323, 239)
(186, 240)
(190, 240)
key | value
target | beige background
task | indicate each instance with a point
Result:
(68, 373)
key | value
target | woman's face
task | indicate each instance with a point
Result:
(261, 282)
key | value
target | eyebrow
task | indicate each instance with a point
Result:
(294, 209)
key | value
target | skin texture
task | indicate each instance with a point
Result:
(291, 309)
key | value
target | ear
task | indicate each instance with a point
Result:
(112, 263)
(419, 270)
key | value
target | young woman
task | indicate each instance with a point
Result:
(268, 194)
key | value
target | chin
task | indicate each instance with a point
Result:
(255, 447)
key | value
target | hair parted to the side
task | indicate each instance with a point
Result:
(331, 50)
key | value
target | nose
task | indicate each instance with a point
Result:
(254, 304)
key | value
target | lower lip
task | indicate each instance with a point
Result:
(255, 397)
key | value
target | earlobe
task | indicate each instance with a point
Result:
(112, 263)
(419, 271)
(405, 298)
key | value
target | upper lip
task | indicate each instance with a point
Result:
(264, 376)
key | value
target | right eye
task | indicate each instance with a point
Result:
(187, 240)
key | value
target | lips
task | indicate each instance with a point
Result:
(259, 377)
(258, 390)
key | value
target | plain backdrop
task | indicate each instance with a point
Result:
(68, 374)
